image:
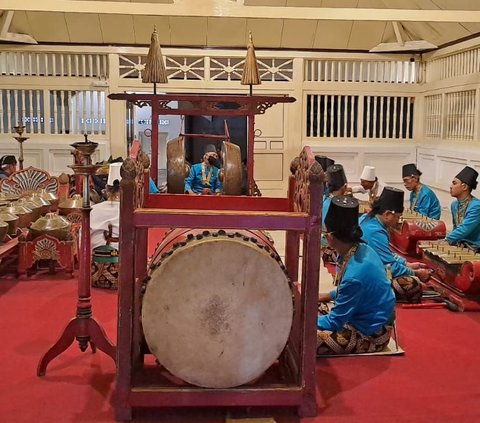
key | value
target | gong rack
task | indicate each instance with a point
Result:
(199, 105)
(291, 380)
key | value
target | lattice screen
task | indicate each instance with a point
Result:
(25, 107)
(362, 71)
(433, 116)
(332, 116)
(460, 118)
(77, 112)
(53, 64)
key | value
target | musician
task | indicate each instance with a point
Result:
(8, 165)
(465, 209)
(422, 199)
(360, 320)
(107, 212)
(336, 185)
(369, 184)
(203, 177)
(325, 162)
(385, 213)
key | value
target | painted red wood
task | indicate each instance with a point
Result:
(200, 105)
(290, 381)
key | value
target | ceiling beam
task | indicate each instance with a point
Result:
(5, 35)
(224, 8)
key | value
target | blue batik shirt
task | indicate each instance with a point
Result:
(375, 234)
(468, 228)
(425, 202)
(194, 181)
(364, 298)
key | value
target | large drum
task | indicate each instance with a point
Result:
(217, 308)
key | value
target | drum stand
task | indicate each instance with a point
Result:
(83, 327)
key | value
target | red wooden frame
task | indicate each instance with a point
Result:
(291, 381)
(198, 105)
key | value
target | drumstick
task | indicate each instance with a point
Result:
(425, 305)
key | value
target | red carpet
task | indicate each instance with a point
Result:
(436, 381)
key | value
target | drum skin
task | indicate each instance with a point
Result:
(217, 310)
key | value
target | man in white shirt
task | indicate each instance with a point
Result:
(107, 212)
(369, 184)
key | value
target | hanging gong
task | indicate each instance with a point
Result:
(231, 174)
(177, 167)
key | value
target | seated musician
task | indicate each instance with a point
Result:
(107, 212)
(325, 162)
(385, 213)
(8, 165)
(203, 177)
(422, 199)
(369, 184)
(336, 183)
(465, 210)
(360, 320)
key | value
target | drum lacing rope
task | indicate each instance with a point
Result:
(217, 234)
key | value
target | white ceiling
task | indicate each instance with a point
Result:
(294, 24)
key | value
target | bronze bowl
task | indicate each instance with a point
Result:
(51, 198)
(24, 214)
(3, 230)
(33, 206)
(51, 224)
(72, 204)
(11, 220)
(40, 201)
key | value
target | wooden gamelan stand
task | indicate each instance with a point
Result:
(207, 222)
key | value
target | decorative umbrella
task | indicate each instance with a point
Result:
(250, 75)
(154, 68)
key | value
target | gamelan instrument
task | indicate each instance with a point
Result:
(412, 228)
(217, 307)
(456, 272)
(178, 168)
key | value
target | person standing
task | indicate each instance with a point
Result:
(422, 199)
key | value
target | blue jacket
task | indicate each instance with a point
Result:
(426, 204)
(194, 180)
(469, 229)
(364, 299)
(375, 234)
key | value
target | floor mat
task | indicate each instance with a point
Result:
(391, 349)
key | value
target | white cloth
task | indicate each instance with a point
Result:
(375, 191)
(101, 215)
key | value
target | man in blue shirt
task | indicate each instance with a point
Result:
(386, 213)
(360, 320)
(8, 165)
(422, 199)
(465, 210)
(203, 177)
(336, 184)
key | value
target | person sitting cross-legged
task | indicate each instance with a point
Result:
(203, 177)
(465, 210)
(386, 213)
(422, 198)
(361, 318)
